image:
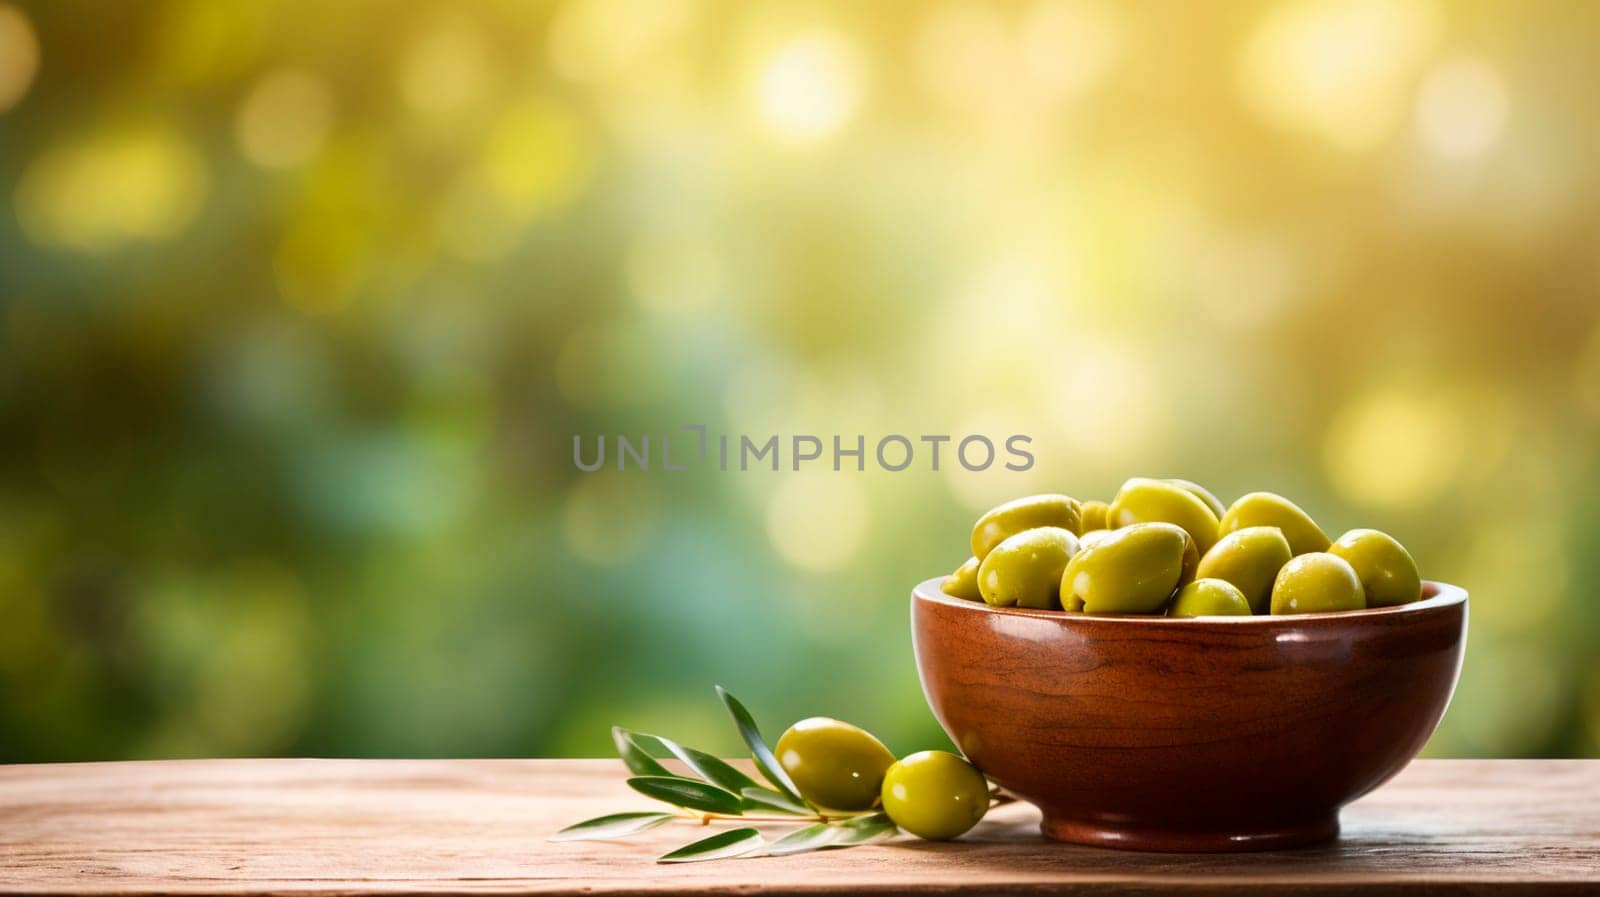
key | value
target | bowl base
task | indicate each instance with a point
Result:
(1191, 840)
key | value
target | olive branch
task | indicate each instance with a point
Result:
(715, 791)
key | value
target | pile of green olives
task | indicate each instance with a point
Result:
(840, 769)
(1170, 547)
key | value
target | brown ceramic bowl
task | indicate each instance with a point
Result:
(1219, 733)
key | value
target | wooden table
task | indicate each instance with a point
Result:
(479, 826)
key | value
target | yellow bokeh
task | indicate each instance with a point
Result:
(1012, 68)
(1461, 108)
(199, 41)
(445, 69)
(812, 85)
(1396, 448)
(142, 183)
(19, 55)
(601, 40)
(819, 521)
(1337, 69)
(284, 119)
(537, 158)
(327, 253)
(321, 263)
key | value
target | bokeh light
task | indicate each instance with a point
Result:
(139, 184)
(602, 40)
(819, 521)
(445, 68)
(1461, 108)
(284, 119)
(811, 86)
(1337, 69)
(1396, 448)
(19, 56)
(1069, 46)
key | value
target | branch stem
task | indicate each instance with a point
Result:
(704, 818)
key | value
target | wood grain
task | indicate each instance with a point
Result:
(260, 827)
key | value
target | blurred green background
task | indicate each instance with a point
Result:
(302, 303)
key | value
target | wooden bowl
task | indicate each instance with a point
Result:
(1214, 734)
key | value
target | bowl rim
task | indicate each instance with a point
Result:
(1444, 595)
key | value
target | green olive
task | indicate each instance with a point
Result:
(935, 795)
(1132, 570)
(1317, 582)
(1142, 500)
(1191, 563)
(1249, 558)
(1092, 516)
(1267, 509)
(833, 764)
(1025, 569)
(1387, 572)
(1202, 493)
(1003, 521)
(964, 582)
(1091, 536)
(1209, 598)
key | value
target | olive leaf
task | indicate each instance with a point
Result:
(759, 798)
(617, 825)
(731, 843)
(635, 756)
(802, 840)
(713, 769)
(765, 761)
(688, 793)
(865, 829)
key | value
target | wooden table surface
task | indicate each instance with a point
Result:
(479, 826)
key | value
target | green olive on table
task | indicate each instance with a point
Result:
(1317, 582)
(1202, 493)
(1025, 569)
(964, 582)
(935, 795)
(1269, 509)
(1249, 558)
(834, 765)
(1209, 598)
(1092, 516)
(1143, 500)
(1132, 570)
(1003, 521)
(1388, 574)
